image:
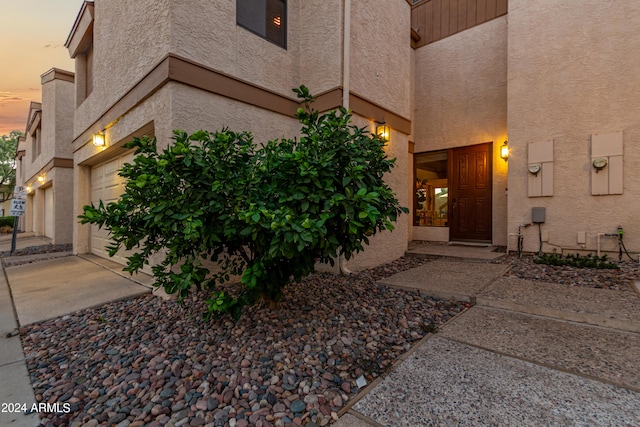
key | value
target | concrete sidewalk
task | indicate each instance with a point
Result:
(43, 290)
(534, 354)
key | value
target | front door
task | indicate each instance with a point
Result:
(470, 193)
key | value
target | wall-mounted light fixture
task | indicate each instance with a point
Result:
(98, 139)
(28, 189)
(504, 151)
(383, 131)
(41, 178)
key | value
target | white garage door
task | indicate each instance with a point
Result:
(107, 185)
(48, 212)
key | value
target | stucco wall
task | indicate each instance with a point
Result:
(193, 109)
(56, 127)
(572, 73)
(63, 217)
(461, 99)
(129, 38)
(207, 33)
(63, 108)
(155, 110)
(320, 44)
(380, 60)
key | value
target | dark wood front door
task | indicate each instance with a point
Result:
(470, 193)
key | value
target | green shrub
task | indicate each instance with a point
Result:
(576, 260)
(6, 221)
(267, 214)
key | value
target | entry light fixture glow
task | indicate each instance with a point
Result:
(98, 139)
(504, 151)
(383, 131)
(28, 189)
(41, 179)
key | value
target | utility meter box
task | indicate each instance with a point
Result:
(537, 215)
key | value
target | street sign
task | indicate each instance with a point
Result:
(18, 207)
(20, 192)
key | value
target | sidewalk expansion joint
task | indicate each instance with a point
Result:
(13, 362)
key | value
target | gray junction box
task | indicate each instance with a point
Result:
(537, 215)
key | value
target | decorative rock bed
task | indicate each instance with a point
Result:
(152, 362)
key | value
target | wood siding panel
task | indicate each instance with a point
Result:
(462, 14)
(491, 10)
(437, 12)
(472, 20)
(436, 19)
(428, 23)
(444, 19)
(501, 7)
(481, 11)
(453, 16)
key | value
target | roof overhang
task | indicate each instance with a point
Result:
(81, 35)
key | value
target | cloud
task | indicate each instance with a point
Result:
(9, 97)
(52, 45)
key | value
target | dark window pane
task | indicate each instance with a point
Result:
(266, 18)
(250, 14)
(275, 22)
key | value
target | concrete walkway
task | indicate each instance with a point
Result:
(32, 290)
(534, 354)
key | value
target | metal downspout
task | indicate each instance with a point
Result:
(346, 48)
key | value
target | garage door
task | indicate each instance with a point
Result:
(48, 212)
(107, 185)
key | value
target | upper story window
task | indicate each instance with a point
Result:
(266, 18)
(80, 45)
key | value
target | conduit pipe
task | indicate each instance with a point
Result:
(346, 54)
(346, 63)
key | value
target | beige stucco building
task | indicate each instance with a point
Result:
(44, 160)
(554, 81)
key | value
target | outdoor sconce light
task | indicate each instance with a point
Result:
(28, 189)
(383, 131)
(41, 178)
(98, 139)
(504, 151)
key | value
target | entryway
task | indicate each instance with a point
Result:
(453, 194)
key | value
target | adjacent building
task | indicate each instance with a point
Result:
(500, 113)
(44, 160)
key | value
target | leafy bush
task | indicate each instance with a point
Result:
(576, 260)
(267, 214)
(6, 221)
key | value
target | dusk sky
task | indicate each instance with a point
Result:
(32, 37)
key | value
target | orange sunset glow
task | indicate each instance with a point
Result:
(32, 37)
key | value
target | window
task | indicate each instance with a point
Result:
(36, 143)
(266, 18)
(431, 202)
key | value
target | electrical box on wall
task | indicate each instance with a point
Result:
(540, 169)
(606, 163)
(537, 215)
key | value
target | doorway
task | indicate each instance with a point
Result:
(470, 201)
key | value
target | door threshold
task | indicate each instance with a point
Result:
(479, 244)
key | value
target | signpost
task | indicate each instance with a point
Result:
(18, 206)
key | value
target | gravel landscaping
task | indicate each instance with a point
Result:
(620, 279)
(152, 362)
